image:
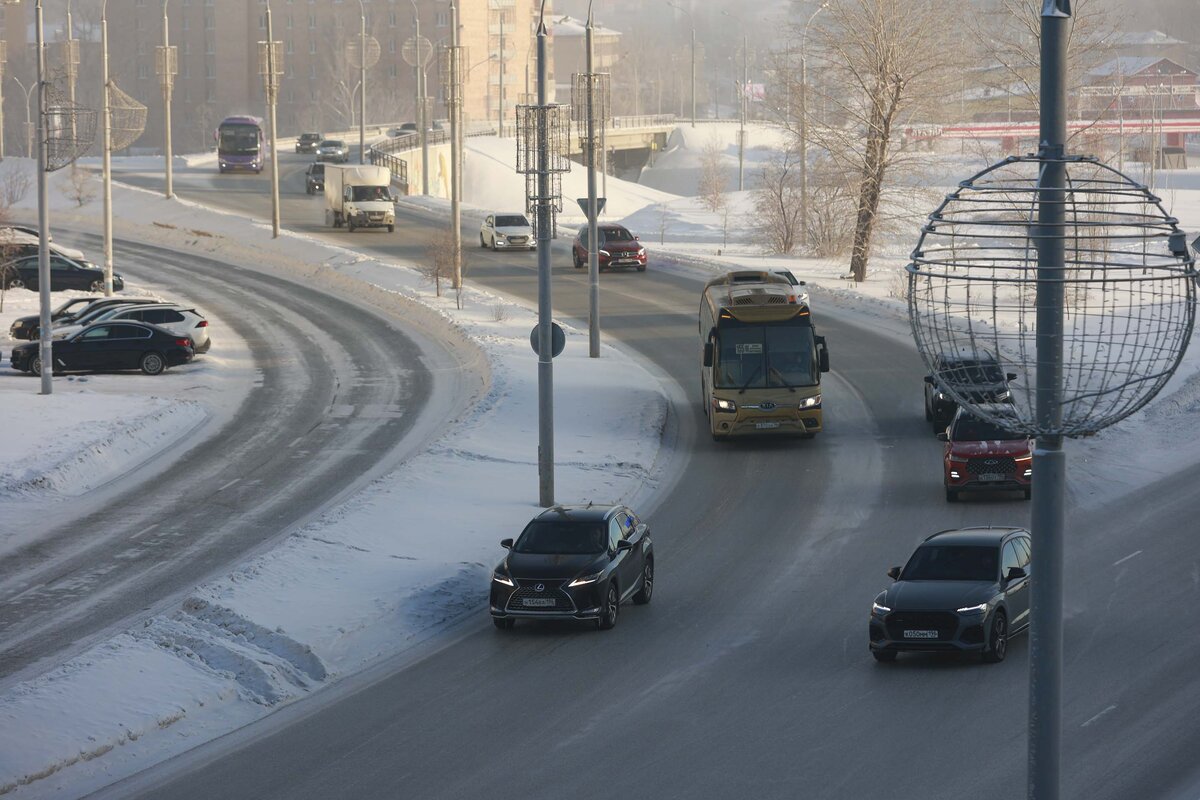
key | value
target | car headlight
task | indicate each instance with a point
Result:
(809, 402)
(583, 580)
(725, 405)
(641, 251)
(603, 253)
(879, 610)
(979, 609)
(500, 577)
(1005, 395)
(940, 395)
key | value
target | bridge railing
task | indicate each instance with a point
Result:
(645, 121)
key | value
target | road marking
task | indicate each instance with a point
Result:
(1098, 716)
(31, 589)
(1126, 558)
(144, 531)
(296, 441)
(231, 483)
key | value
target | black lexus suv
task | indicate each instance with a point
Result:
(574, 562)
(964, 590)
(975, 374)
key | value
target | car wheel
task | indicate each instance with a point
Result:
(350, 225)
(391, 228)
(997, 647)
(576, 260)
(308, 190)
(928, 413)
(951, 495)
(482, 242)
(153, 363)
(608, 613)
(1028, 492)
(641, 268)
(97, 286)
(504, 623)
(35, 366)
(884, 656)
(647, 591)
(16, 283)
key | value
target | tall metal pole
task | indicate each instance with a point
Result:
(105, 148)
(71, 64)
(1049, 460)
(455, 97)
(272, 91)
(500, 99)
(693, 73)
(46, 335)
(742, 124)
(362, 84)
(804, 126)
(166, 88)
(3, 59)
(593, 233)
(545, 337)
(421, 101)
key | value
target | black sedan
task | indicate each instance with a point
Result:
(307, 143)
(110, 346)
(65, 273)
(574, 562)
(964, 590)
(77, 311)
(314, 178)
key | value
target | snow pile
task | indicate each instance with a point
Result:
(679, 167)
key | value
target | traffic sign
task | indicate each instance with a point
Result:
(558, 340)
(583, 204)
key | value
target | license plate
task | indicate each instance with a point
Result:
(537, 602)
(990, 477)
(920, 634)
(766, 425)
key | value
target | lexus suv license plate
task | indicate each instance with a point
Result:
(920, 634)
(537, 601)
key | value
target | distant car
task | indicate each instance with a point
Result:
(982, 456)
(977, 374)
(110, 346)
(507, 232)
(964, 590)
(17, 241)
(65, 273)
(307, 143)
(168, 316)
(618, 248)
(23, 327)
(405, 129)
(574, 562)
(29, 327)
(333, 150)
(801, 292)
(314, 178)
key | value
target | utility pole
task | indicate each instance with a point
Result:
(71, 63)
(545, 308)
(271, 69)
(362, 83)
(500, 101)
(422, 57)
(804, 125)
(105, 151)
(742, 123)
(454, 98)
(167, 68)
(46, 335)
(692, 22)
(592, 210)
(3, 61)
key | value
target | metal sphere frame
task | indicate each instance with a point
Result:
(1129, 284)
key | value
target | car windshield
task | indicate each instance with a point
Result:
(331, 143)
(615, 235)
(309, 137)
(238, 139)
(362, 194)
(562, 537)
(967, 372)
(316, 169)
(973, 429)
(952, 562)
(512, 222)
(770, 354)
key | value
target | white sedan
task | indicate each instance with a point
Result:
(507, 232)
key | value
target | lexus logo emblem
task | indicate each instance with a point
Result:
(767, 406)
(541, 587)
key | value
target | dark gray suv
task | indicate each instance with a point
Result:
(975, 374)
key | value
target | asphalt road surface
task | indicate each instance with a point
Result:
(337, 392)
(749, 675)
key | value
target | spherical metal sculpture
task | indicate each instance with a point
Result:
(1129, 290)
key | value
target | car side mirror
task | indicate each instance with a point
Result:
(823, 359)
(507, 544)
(894, 573)
(637, 238)
(1011, 376)
(1015, 574)
(802, 283)
(708, 354)
(943, 437)
(623, 545)
(929, 379)
(641, 530)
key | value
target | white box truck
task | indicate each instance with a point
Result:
(359, 196)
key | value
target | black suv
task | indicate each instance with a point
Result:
(962, 590)
(574, 562)
(314, 178)
(307, 143)
(973, 374)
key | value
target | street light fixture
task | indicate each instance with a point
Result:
(366, 54)
(423, 50)
(804, 126)
(270, 67)
(29, 126)
(692, 20)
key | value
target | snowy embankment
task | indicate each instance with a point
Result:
(374, 576)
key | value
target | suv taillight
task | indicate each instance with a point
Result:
(202, 323)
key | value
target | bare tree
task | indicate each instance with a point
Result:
(884, 63)
(777, 201)
(13, 188)
(80, 186)
(832, 202)
(713, 180)
(439, 263)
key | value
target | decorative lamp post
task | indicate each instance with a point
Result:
(804, 125)
(166, 65)
(692, 22)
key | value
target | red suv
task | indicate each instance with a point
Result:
(982, 456)
(618, 248)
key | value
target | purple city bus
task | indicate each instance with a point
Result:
(240, 144)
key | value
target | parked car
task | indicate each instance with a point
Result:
(964, 590)
(618, 248)
(314, 178)
(975, 374)
(405, 129)
(168, 316)
(110, 346)
(307, 143)
(507, 232)
(801, 292)
(333, 150)
(983, 456)
(30, 326)
(17, 241)
(574, 562)
(65, 273)
(22, 327)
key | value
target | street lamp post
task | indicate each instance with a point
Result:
(454, 96)
(500, 98)
(362, 82)
(3, 60)
(28, 115)
(167, 78)
(105, 146)
(45, 336)
(592, 210)
(271, 73)
(692, 20)
(742, 119)
(422, 123)
(804, 126)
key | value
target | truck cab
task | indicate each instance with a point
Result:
(359, 197)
